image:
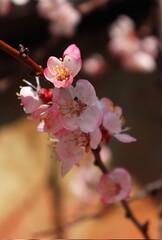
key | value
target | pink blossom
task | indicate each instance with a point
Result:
(63, 17)
(61, 72)
(78, 107)
(114, 186)
(95, 65)
(113, 121)
(72, 145)
(123, 26)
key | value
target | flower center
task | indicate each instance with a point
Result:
(112, 188)
(62, 73)
(81, 139)
(73, 108)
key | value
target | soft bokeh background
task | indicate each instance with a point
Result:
(29, 169)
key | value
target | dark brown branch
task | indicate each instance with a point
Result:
(143, 228)
(22, 56)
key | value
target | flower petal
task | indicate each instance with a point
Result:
(72, 50)
(29, 99)
(48, 75)
(95, 138)
(125, 138)
(52, 63)
(85, 92)
(112, 122)
(72, 64)
(90, 119)
(69, 155)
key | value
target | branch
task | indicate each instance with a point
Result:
(143, 228)
(22, 56)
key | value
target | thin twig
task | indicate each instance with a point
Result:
(22, 56)
(143, 228)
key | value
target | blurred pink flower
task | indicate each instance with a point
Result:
(139, 61)
(95, 65)
(78, 107)
(63, 16)
(134, 54)
(114, 186)
(61, 72)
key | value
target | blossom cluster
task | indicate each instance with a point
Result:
(76, 119)
(133, 52)
(63, 17)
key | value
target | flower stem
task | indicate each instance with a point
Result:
(22, 56)
(143, 228)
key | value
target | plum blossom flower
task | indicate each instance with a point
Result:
(114, 186)
(78, 107)
(61, 72)
(113, 121)
(72, 145)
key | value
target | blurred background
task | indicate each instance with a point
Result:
(120, 43)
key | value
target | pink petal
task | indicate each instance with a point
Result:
(125, 138)
(69, 123)
(112, 122)
(52, 63)
(39, 112)
(69, 155)
(72, 64)
(72, 50)
(89, 120)
(85, 92)
(48, 75)
(95, 138)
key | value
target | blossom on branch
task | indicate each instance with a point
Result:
(114, 186)
(113, 122)
(76, 120)
(62, 71)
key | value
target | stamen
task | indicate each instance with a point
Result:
(30, 84)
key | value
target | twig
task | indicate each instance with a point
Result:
(22, 56)
(143, 228)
